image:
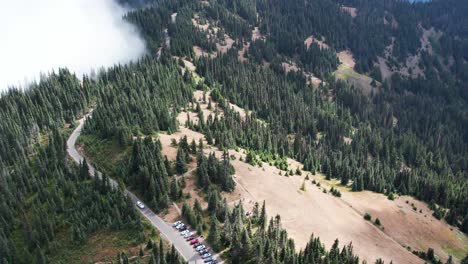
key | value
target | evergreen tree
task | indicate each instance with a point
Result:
(181, 163)
(214, 237)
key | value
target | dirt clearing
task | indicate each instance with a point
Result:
(311, 79)
(346, 72)
(311, 39)
(352, 11)
(410, 223)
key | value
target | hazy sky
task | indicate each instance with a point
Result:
(38, 36)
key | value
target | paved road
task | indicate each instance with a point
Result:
(185, 250)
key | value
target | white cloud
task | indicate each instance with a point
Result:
(38, 36)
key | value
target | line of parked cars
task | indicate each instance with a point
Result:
(192, 239)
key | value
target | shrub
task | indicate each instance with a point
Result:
(368, 217)
(377, 222)
(298, 172)
(303, 188)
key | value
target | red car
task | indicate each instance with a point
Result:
(190, 238)
(194, 241)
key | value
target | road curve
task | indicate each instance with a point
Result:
(184, 249)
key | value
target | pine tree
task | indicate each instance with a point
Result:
(181, 165)
(84, 170)
(262, 219)
(449, 260)
(40, 259)
(176, 192)
(214, 237)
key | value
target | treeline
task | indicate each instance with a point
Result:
(151, 23)
(237, 18)
(46, 202)
(211, 170)
(138, 99)
(184, 35)
(286, 25)
(152, 176)
(237, 27)
(422, 155)
(320, 61)
(146, 172)
(28, 117)
(159, 254)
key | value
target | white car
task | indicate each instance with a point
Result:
(140, 205)
(185, 232)
(188, 234)
(207, 255)
(200, 247)
(177, 223)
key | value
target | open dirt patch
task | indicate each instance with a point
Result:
(311, 39)
(352, 11)
(410, 68)
(223, 44)
(173, 17)
(311, 79)
(199, 52)
(415, 228)
(312, 211)
(384, 68)
(256, 34)
(329, 217)
(242, 52)
(346, 58)
(346, 72)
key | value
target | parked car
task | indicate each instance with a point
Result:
(193, 242)
(213, 262)
(206, 255)
(182, 228)
(183, 232)
(200, 247)
(203, 252)
(180, 225)
(177, 223)
(189, 234)
(208, 260)
(190, 238)
(140, 205)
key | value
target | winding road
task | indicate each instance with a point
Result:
(171, 234)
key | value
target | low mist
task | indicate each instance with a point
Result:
(40, 36)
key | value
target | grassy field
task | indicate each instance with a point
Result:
(102, 246)
(103, 152)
